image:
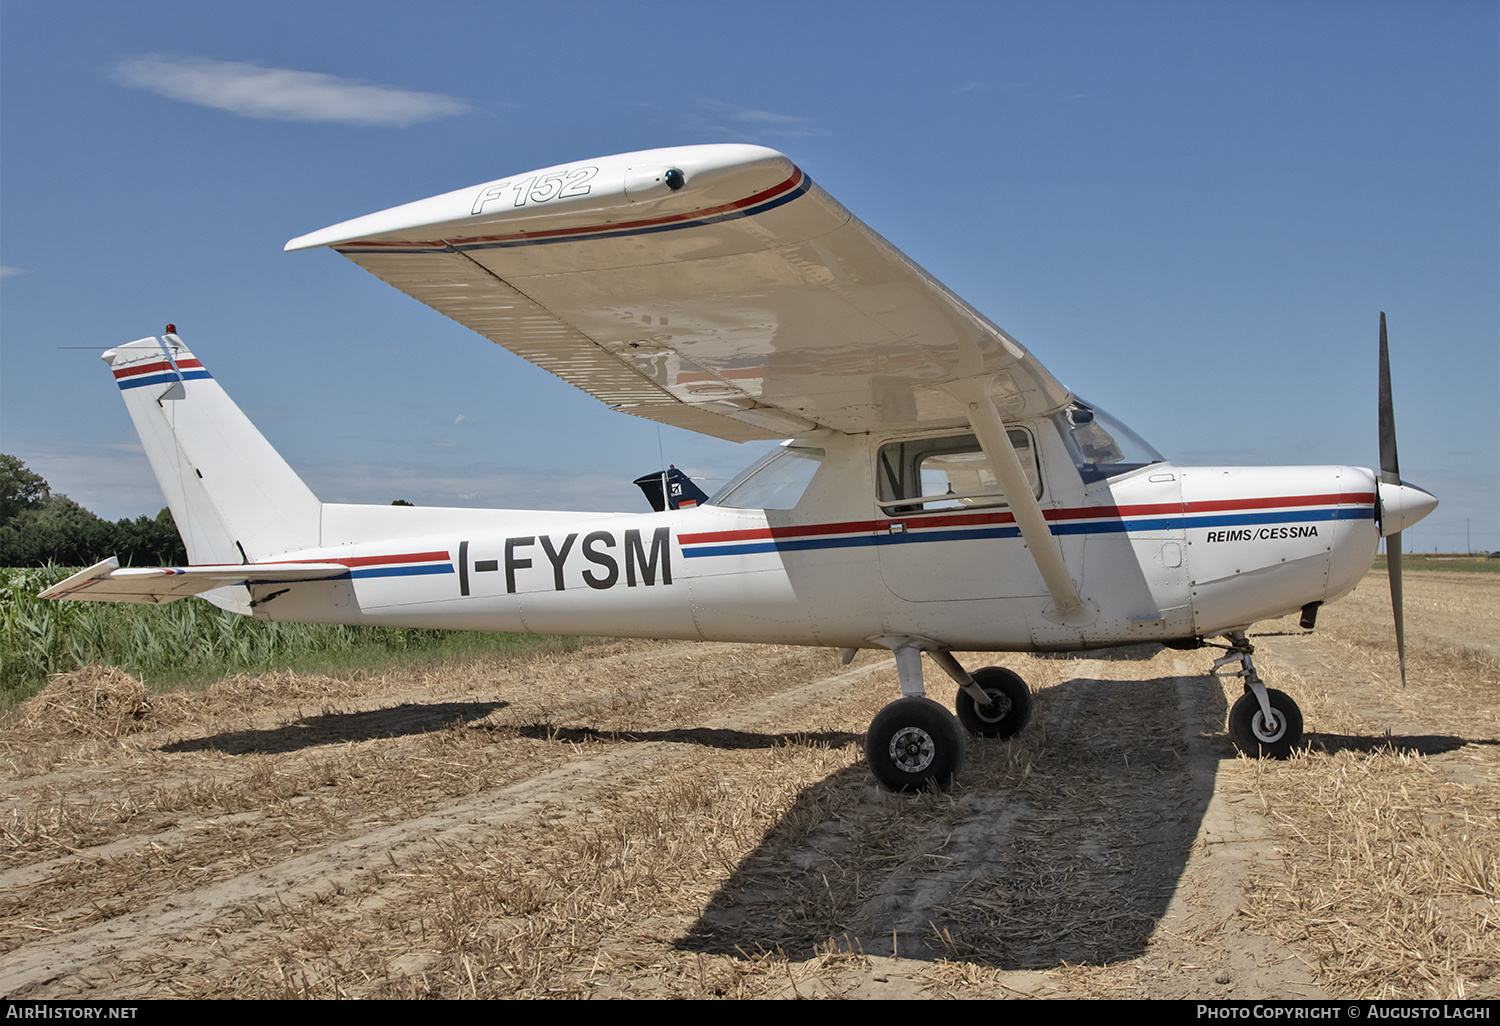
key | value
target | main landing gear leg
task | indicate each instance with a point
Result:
(1264, 722)
(992, 702)
(913, 744)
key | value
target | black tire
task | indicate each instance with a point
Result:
(1248, 730)
(914, 744)
(1010, 710)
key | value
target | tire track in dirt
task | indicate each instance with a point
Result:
(350, 866)
(1008, 842)
(1098, 837)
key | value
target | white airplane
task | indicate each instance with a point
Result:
(940, 491)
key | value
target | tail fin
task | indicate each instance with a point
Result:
(680, 491)
(234, 498)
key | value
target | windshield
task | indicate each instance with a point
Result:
(1102, 446)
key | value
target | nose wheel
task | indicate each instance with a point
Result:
(1259, 735)
(1264, 723)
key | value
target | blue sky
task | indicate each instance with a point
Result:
(1192, 213)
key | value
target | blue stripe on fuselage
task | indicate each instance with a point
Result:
(915, 534)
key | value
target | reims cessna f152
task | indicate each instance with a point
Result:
(940, 491)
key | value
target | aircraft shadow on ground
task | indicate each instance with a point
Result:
(1064, 845)
(1130, 653)
(709, 737)
(332, 728)
(1404, 744)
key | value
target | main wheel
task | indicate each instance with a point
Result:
(1010, 704)
(1251, 733)
(915, 744)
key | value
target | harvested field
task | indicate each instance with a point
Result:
(641, 819)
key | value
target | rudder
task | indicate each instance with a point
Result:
(234, 498)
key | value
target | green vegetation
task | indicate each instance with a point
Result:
(1442, 561)
(190, 642)
(180, 643)
(38, 528)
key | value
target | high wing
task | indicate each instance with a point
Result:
(105, 581)
(711, 287)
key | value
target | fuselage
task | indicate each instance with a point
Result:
(1158, 552)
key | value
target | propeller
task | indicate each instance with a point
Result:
(1397, 505)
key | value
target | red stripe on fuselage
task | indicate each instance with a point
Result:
(1337, 499)
(353, 561)
(1157, 509)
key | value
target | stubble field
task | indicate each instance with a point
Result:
(644, 819)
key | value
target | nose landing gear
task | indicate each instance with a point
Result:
(1264, 722)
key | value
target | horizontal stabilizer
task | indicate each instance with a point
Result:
(105, 581)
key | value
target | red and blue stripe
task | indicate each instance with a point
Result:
(410, 564)
(159, 372)
(920, 528)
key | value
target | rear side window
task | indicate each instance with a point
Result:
(924, 475)
(777, 481)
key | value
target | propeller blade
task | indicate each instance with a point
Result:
(1390, 473)
(1390, 470)
(1393, 569)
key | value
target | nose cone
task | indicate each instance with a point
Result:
(1402, 505)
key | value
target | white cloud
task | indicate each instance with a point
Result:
(112, 480)
(730, 119)
(6, 272)
(277, 94)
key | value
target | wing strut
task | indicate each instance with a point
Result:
(1068, 607)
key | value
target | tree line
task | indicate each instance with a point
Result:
(38, 527)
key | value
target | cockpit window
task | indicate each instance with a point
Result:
(775, 481)
(1101, 446)
(949, 473)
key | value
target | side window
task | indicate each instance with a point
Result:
(949, 473)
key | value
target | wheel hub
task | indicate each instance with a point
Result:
(1269, 734)
(997, 710)
(912, 749)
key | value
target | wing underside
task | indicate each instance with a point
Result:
(740, 301)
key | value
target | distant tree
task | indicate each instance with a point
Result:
(19, 488)
(39, 528)
(57, 530)
(149, 541)
(401, 502)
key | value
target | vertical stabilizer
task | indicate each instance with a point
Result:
(234, 498)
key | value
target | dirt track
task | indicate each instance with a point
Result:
(665, 819)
